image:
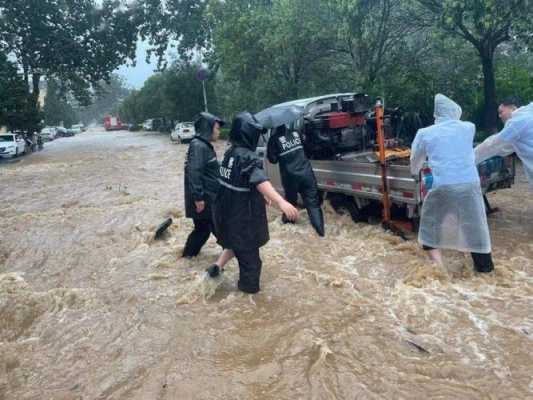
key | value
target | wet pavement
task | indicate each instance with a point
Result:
(92, 308)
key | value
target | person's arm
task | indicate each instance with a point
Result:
(268, 191)
(500, 144)
(418, 154)
(259, 179)
(198, 159)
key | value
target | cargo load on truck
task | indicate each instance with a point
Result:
(338, 132)
(347, 124)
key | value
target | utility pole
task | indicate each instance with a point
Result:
(205, 96)
(202, 76)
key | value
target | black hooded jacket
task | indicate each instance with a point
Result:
(286, 148)
(240, 212)
(201, 168)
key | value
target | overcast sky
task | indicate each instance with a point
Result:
(136, 76)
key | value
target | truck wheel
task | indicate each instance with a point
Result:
(416, 224)
(345, 205)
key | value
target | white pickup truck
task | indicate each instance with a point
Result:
(352, 180)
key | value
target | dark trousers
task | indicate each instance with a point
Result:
(249, 270)
(482, 262)
(197, 238)
(309, 193)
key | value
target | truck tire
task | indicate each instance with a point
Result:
(345, 205)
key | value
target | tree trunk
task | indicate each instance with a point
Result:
(36, 90)
(490, 108)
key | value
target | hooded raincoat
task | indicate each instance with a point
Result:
(516, 137)
(240, 212)
(201, 168)
(453, 214)
(297, 176)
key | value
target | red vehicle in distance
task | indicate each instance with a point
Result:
(112, 123)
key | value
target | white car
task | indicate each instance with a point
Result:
(183, 132)
(49, 133)
(76, 129)
(148, 125)
(12, 145)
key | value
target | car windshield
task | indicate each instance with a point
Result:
(188, 124)
(7, 138)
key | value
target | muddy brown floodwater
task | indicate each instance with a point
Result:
(91, 308)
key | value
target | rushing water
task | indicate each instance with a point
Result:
(91, 307)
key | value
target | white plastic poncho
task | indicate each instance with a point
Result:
(453, 214)
(516, 136)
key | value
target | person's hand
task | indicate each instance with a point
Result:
(289, 210)
(200, 206)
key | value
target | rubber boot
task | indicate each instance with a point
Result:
(316, 217)
(285, 220)
(483, 262)
(214, 270)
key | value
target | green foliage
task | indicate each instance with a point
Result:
(486, 25)
(262, 52)
(17, 111)
(267, 51)
(105, 100)
(75, 42)
(175, 94)
(173, 23)
(57, 110)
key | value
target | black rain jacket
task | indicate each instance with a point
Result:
(286, 148)
(201, 168)
(240, 212)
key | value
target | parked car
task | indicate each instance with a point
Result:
(63, 132)
(77, 129)
(49, 133)
(148, 125)
(12, 145)
(183, 132)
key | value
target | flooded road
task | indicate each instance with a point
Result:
(92, 308)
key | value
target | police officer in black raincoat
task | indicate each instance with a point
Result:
(240, 214)
(297, 175)
(201, 181)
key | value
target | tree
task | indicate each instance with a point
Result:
(105, 99)
(173, 23)
(371, 35)
(175, 94)
(57, 109)
(72, 41)
(16, 107)
(486, 25)
(266, 51)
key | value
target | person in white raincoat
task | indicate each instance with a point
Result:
(516, 136)
(453, 214)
